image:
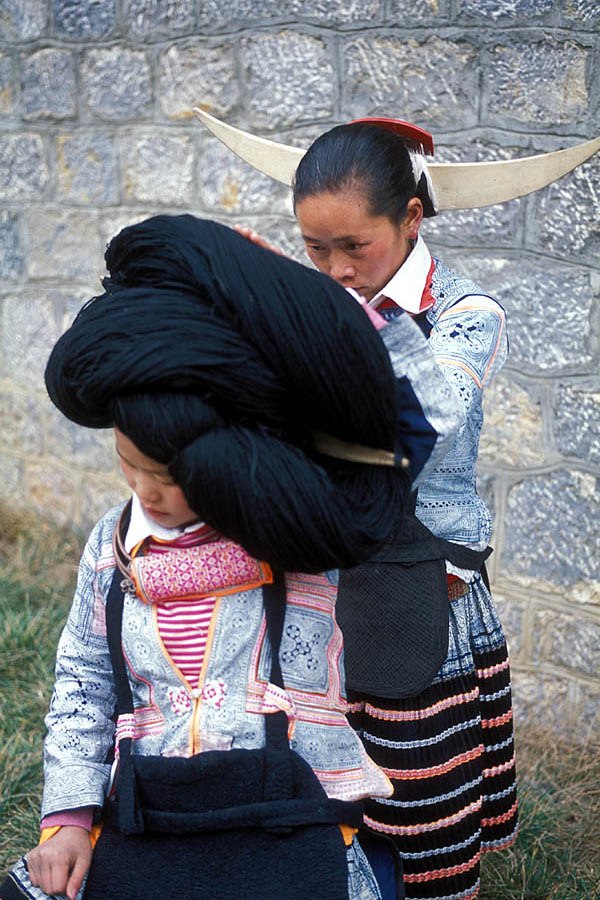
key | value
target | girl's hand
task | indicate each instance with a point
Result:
(59, 865)
(255, 238)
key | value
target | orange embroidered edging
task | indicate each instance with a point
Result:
(392, 715)
(498, 770)
(499, 720)
(423, 828)
(500, 820)
(492, 670)
(413, 774)
(504, 845)
(444, 873)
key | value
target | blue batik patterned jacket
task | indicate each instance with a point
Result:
(468, 339)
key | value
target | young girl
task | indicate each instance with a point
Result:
(222, 368)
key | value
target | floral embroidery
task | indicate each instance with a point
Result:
(180, 702)
(214, 692)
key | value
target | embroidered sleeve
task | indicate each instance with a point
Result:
(471, 337)
(432, 415)
(79, 722)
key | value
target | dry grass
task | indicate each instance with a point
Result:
(557, 854)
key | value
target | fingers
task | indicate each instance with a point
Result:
(75, 881)
(59, 865)
(256, 238)
(48, 870)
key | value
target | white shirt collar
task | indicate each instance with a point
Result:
(406, 287)
(142, 526)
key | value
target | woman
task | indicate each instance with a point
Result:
(360, 195)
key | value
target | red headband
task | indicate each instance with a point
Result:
(404, 129)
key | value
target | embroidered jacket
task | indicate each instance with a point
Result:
(224, 710)
(469, 342)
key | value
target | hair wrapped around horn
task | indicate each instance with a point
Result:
(221, 360)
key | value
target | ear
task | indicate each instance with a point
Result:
(413, 218)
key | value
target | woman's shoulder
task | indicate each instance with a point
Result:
(453, 290)
(468, 326)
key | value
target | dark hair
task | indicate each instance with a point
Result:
(365, 157)
(221, 359)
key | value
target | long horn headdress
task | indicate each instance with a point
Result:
(456, 185)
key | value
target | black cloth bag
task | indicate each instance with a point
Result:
(222, 825)
(393, 611)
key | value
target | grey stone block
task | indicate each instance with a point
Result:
(513, 435)
(493, 226)
(566, 641)
(537, 84)
(113, 221)
(217, 15)
(48, 85)
(117, 83)
(227, 183)
(21, 417)
(549, 308)
(197, 75)
(512, 615)
(86, 169)
(577, 414)
(64, 245)
(22, 20)
(434, 82)
(565, 217)
(23, 167)
(288, 77)
(12, 254)
(29, 329)
(79, 20)
(507, 12)
(551, 530)
(157, 168)
(539, 690)
(7, 98)
(589, 712)
(89, 448)
(415, 13)
(574, 13)
(486, 489)
(154, 18)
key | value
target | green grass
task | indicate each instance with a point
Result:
(37, 575)
(556, 856)
(557, 853)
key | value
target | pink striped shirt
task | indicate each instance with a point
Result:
(183, 624)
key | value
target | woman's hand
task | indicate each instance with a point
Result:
(255, 238)
(59, 865)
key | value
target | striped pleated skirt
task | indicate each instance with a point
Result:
(449, 753)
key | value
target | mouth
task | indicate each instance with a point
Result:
(154, 513)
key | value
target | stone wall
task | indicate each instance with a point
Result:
(95, 102)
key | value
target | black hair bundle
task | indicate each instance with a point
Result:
(221, 359)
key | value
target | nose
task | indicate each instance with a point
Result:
(341, 270)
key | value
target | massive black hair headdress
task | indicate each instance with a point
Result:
(222, 360)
